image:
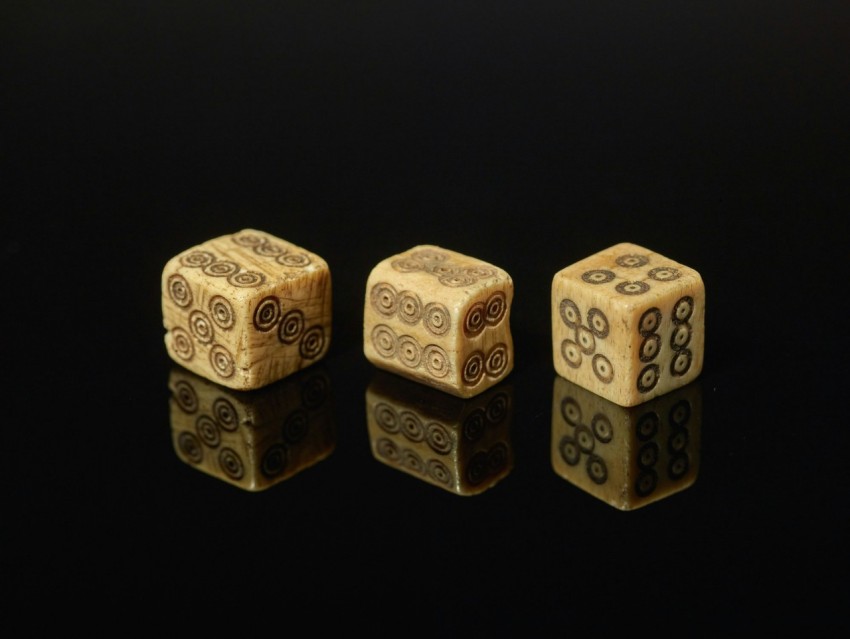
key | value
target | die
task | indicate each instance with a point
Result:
(628, 457)
(247, 309)
(628, 324)
(440, 318)
(460, 445)
(252, 439)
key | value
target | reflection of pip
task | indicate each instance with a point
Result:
(459, 445)
(627, 457)
(252, 439)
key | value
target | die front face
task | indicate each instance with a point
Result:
(628, 324)
(247, 309)
(440, 318)
(628, 457)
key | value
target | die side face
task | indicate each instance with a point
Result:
(246, 309)
(628, 324)
(440, 318)
(628, 457)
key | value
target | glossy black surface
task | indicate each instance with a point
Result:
(528, 135)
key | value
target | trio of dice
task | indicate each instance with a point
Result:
(247, 309)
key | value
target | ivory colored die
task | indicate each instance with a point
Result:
(440, 318)
(628, 324)
(247, 309)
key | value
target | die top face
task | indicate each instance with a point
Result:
(440, 317)
(629, 275)
(246, 309)
(628, 323)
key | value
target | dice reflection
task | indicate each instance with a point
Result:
(627, 457)
(252, 439)
(460, 445)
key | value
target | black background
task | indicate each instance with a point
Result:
(526, 134)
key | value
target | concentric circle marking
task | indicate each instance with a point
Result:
(387, 417)
(269, 249)
(291, 326)
(478, 468)
(456, 280)
(225, 414)
(584, 438)
(411, 426)
(186, 397)
(649, 321)
(569, 450)
(409, 351)
(649, 347)
(222, 361)
(295, 260)
(680, 413)
(648, 378)
(681, 362)
(602, 428)
(603, 368)
(596, 469)
(571, 352)
(190, 446)
(267, 314)
(248, 239)
(647, 456)
(384, 340)
(497, 360)
(680, 337)
(231, 463)
(411, 460)
(474, 425)
(409, 307)
(388, 449)
(197, 259)
(632, 288)
(683, 309)
(406, 265)
(497, 408)
(585, 340)
(221, 312)
(598, 323)
(678, 466)
(312, 343)
(181, 344)
(438, 438)
(598, 276)
(179, 291)
(208, 431)
(647, 426)
(646, 482)
(439, 472)
(569, 312)
(274, 460)
(436, 318)
(222, 268)
(571, 411)
(664, 274)
(436, 360)
(201, 327)
(246, 279)
(384, 299)
(473, 368)
(496, 307)
(474, 321)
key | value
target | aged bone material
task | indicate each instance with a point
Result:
(247, 309)
(628, 457)
(628, 324)
(440, 318)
